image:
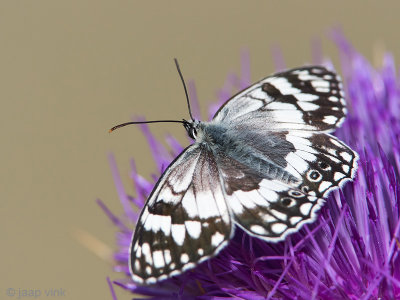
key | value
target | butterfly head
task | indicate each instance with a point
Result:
(192, 128)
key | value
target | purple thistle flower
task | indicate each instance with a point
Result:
(350, 252)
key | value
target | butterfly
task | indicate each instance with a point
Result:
(264, 163)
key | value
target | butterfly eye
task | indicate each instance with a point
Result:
(192, 133)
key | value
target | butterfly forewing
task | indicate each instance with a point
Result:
(308, 98)
(185, 220)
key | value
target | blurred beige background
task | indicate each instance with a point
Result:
(69, 70)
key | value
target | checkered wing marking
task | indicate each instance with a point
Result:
(269, 207)
(185, 220)
(321, 160)
(307, 98)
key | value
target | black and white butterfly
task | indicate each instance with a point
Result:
(264, 163)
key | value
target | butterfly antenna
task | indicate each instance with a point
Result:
(184, 86)
(144, 122)
(163, 121)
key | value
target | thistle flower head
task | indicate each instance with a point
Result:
(350, 252)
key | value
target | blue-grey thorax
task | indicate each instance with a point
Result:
(263, 152)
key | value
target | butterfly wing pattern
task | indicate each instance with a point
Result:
(308, 98)
(274, 204)
(285, 119)
(184, 221)
(265, 163)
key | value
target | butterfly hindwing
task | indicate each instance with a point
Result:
(273, 210)
(307, 98)
(185, 220)
(264, 200)
(321, 160)
(263, 206)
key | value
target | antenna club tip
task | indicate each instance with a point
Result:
(110, 130)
